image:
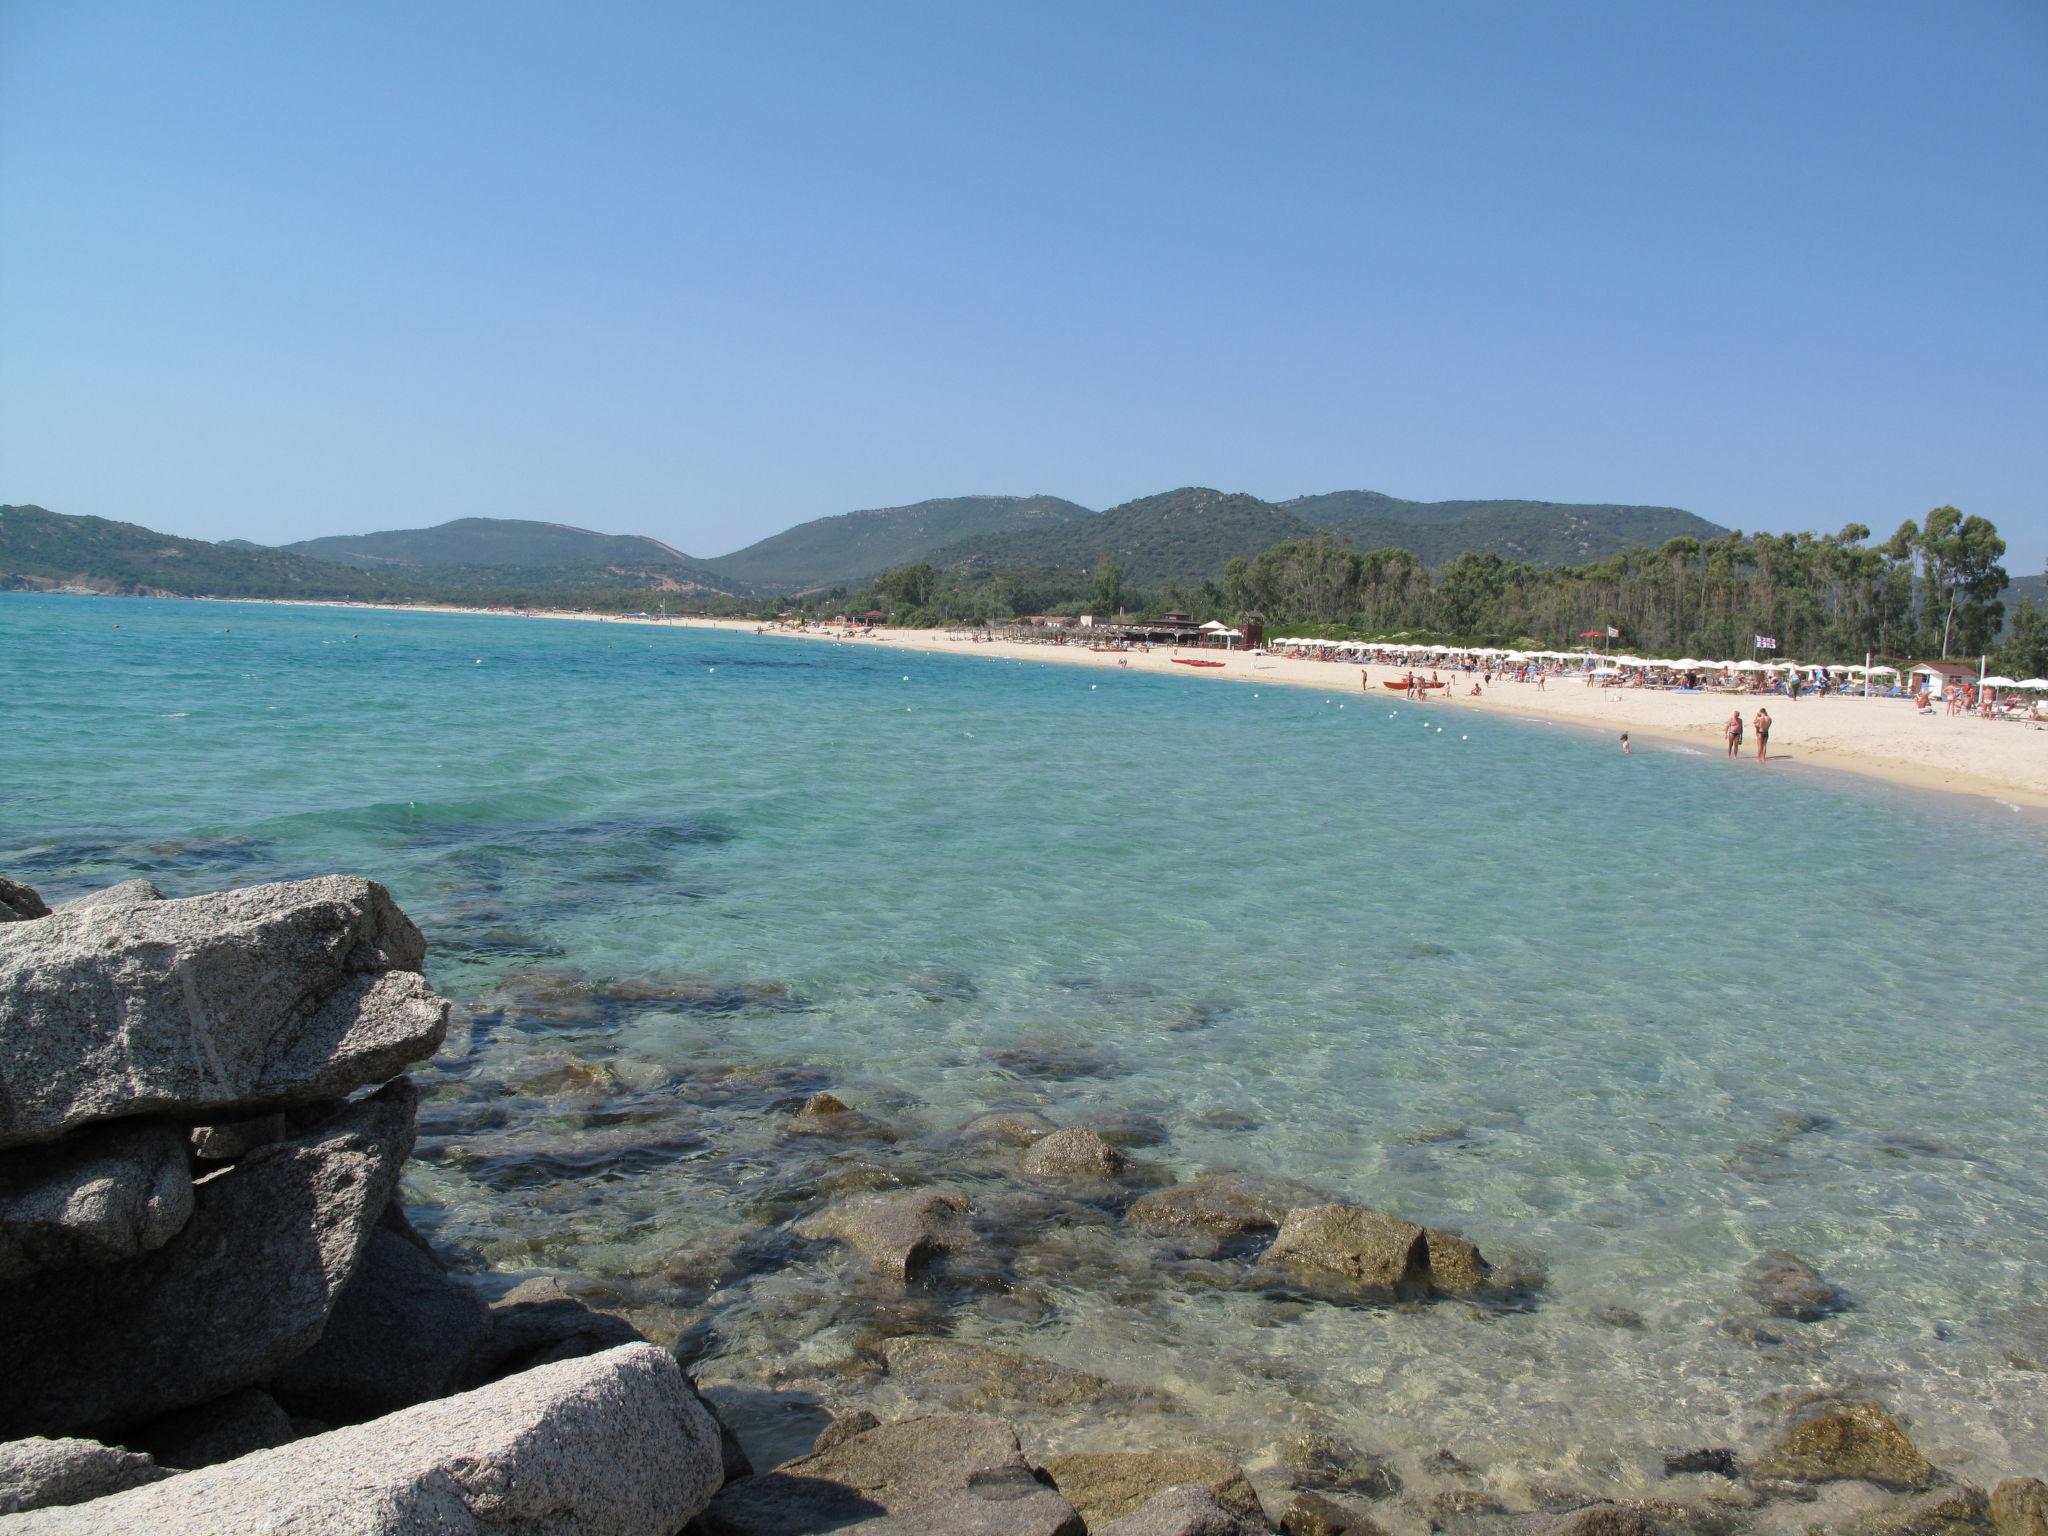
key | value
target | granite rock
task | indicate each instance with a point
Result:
(901, 1234)
(1007, 1501)
(102, 1195)
(973, 1376)
(236, 1425)
(19, 903)
(1185, 1510)
(246, 1285)
(129, 893)
(1226, 1204)
(1787, 1286)
(209, 1008)
(2019, 1507)
(1107, 1485)
(1354, 1249)
(538, 1322)
(1833, 1441)
(1075, 1153)
(1311, 1514)
(610, 1445)
(40, 1474)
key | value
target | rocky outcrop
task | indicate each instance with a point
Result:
(19, 903)
(106, 1194)
(1074, 1153)
(1312, 1514)
(2019, 1507)
(1010, 1501)
(129, 893)
(210, 1007)
(825, 1115)
(910, 1468)
(1105, 1487)
(611, 1445)
(1188, 1510)
(41, 1474)
(1787, 1286)
(1226, 1204)
(538, 1322)
(1353, 1248)
(900, 1234)
(1831, 1442)
(246, 1286)
(235, 1425)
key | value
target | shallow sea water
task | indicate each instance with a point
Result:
(1627, 1022)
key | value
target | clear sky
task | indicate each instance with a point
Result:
(702, 271)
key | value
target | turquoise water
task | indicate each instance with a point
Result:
(1629, 1021)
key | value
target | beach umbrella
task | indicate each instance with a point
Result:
(1996, 682)
(2033, 683)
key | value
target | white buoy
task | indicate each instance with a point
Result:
(1091, 687)
(1464, 738)
(479, 661)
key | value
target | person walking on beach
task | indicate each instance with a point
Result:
(1763, 733)
(1733, 731)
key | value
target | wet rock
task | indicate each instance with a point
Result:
(19, 903)
(1075, 1153)
(1310, 1514)
(1456, 1267)
(1223, 1203)
(246, 1285)
(1352, 1248)
(1715, 1461)
(1323, 1461)
(972, 1376)
(40, 1474)
(1227, 1119)
(900, 1234)
(2019, 1507)
(824, 1115)
(1006, 1502)
(1760, 1162)
(1127, 1128)
(1803, 1123)
(402, 1333)
(1006, 1127)
(1186, 1510)
(1460, 1503)
(943, 986)
(897, 1470)
(1960, 1511)
(235, 1425)
(226, 1140)
(99, 1196)
(210, 1007)
(1105, 1486)
(129, 893)
(1603, 1520)
(1789, 1287)
(1061, 1060)
(1834, 1441)
(539, 1322)
(857, 1421)
(615, 1445)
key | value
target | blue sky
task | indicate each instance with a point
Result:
(704, 271)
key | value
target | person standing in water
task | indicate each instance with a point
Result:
(1733, 731)
(1763, 733)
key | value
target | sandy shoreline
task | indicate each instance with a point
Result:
(1874, 738)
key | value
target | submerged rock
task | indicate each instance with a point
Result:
(99, 1196)
(615, 1445)
(1229, 1204)
(825, 1115)
(1960, 1511)
(1789, 1287)
(1323, 1461)
(903, 1469)
(210, 1007)
(1456, 1267)
(972, 1376)
(1310, 1514)
(41, 1474)
(246, 1285)
(19, 903)
(1076, 1152)
(1715, 1461)
(2019, 1507)
(900, 1234)
(1834, 1441)
(1105, 1486)
(1186, 1510)
(1009, 1501)
(1353, 1248)
(1006, 1127)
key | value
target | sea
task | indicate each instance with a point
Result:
(1634, 1024)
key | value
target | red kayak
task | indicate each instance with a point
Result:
(1419, 685)
(1186, 661)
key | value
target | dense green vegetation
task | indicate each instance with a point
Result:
(1536, 532)
(856, 545)
(489, 553)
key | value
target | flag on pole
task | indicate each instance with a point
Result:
(1613, 633)
(1766, 642)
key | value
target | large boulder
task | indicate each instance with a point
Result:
(97, 1197)
(1833, 1441)
(1007, 1502)
(1108, 1485)
(1074, 1153)
(908, 1468)
(538, 1322)
(402, 1333)
(38, 1473)
(900, 1234)
(247, 1284)
(129, 893)
(610, 1445)
(1224, 1204)
(1187, 1510)
(231, 1426)
(210, 1007)
(2019, 1507)
(1354, 1249)
(19, 903)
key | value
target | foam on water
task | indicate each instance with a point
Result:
(1638, 1019)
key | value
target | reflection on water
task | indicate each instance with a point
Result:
(1632, 1024)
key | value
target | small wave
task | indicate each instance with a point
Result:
(175, 715)
(1686, 751)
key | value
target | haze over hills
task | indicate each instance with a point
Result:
(495, 554)
(855, 545)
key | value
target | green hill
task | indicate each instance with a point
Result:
(40, 549)
(1535, 532)
(497, 553)
(1181, 536)
(854, 545)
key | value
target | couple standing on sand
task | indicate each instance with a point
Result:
(1763, 733)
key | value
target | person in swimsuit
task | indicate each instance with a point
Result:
(1763, 734)
(1733, 731)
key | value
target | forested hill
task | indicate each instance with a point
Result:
(855, 545)
(43, 549)
(1532, 532)
(496, 553)
(1188, 536)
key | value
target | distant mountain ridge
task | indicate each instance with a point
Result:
(854, 545)
(496, 553)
